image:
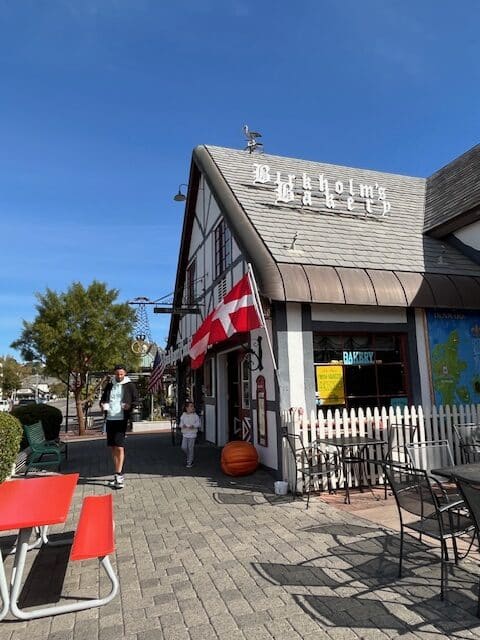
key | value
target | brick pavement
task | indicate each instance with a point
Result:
(203, 556)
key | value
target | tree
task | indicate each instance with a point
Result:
(77, 332)
(12, 374)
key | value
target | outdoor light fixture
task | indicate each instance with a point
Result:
(180, 197)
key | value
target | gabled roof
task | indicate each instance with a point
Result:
(366, 251)
(453, 195)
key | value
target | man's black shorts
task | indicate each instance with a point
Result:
(116, 433)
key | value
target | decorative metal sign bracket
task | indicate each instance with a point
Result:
(255, 358)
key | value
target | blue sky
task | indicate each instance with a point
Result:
(102, 101)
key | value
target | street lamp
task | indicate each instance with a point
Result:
(180, 197)
(1, 380)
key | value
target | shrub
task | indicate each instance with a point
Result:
(50, 417)
(10, 437)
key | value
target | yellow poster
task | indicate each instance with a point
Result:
(330, 384)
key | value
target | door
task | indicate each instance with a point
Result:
(239, 423)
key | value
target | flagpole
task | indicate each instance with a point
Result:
(258, 304)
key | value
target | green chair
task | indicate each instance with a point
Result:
(43, 453)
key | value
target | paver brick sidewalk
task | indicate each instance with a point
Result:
(203, 556)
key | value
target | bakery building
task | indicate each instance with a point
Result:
(369, 283)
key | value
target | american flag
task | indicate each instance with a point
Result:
(157, 371)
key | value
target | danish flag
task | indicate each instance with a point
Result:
(237, 313)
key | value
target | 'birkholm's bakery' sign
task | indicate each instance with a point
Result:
(337, 195)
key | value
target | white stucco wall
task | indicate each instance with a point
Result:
(470, 235)
(353, 313)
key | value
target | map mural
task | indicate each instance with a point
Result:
(454, 339)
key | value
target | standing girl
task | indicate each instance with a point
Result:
(189, 424)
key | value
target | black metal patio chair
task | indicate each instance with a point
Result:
(311, 463)
(470, 492)
(435, 454)
(469, 440)
(415, 494)
(399, 436)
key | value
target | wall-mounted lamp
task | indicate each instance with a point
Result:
(180, 197)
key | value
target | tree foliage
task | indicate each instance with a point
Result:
(77, 332)
(13, 373)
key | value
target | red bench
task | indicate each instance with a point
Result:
(94, 535)
(94, 538)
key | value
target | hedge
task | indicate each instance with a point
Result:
(11, 433)
(50, 417)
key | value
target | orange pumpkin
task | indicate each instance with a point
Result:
(239, 458)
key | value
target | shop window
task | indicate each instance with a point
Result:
(391, 380)
(360, 380)
(327, 349)
(361, 370)
(223, 248)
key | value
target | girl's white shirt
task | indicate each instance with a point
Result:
(189, 424)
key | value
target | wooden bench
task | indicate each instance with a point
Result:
(94, 538)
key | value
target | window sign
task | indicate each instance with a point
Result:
(330, 384)
(399, 402)
(358, 357)
(340, 196)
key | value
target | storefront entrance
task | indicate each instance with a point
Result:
(239, 424)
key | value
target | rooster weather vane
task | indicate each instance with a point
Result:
(252, 143)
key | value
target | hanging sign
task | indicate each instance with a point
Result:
(330, 383)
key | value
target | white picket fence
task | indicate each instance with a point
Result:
(409, 424)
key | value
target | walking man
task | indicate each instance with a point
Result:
(117, 400)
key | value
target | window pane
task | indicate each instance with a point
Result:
(388, 348)
(391, 379)
(327, 348)
(356, 343)
(360, 381)
(365, 403)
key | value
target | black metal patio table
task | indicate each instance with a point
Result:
(469, 472)
(352, 451)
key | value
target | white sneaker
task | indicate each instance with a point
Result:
(117, 482)
(189, 464)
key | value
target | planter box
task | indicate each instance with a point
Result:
(145, 426)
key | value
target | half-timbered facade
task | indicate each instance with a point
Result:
(370, 284)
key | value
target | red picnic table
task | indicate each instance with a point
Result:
(26, 504)
(39, 503)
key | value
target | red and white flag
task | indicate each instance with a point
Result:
(157, 373)
(236, 313)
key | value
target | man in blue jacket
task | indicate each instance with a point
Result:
(117, 400)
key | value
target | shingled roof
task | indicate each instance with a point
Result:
(375, 253)
(453, 195)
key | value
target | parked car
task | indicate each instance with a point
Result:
(27, 401)
(4, 405)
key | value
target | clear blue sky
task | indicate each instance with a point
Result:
(102, 101)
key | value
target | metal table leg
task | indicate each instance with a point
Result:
(17, 575)
(3, 590)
